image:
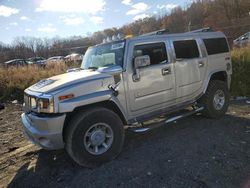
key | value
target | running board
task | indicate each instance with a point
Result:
(164, 122)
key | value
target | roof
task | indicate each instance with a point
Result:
(13, 60)
(55, 57)
(163, 34)
(72, 55)
(186, 34)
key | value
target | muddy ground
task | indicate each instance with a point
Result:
(193, 152)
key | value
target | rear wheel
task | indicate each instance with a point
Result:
(94, 136)
(216, 99)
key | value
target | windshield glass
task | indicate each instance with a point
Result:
(104, 55)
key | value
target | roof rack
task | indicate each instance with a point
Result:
(205, 29)
(158, 32)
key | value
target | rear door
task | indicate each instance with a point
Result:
(190, 67)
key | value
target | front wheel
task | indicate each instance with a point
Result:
(215, 100)
(94, 136)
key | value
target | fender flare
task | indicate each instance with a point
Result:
(211, 74)
(96, 98)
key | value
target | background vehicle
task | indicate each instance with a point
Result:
(243, 40)
(71, 58)
(17, 62)
(126, 84)
(37, 60)
(40, 61)
(55, 59)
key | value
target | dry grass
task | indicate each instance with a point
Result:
(15, 79)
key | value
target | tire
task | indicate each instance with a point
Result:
(214, 108)
(85, 132)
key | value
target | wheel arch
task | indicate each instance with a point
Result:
(109, 104)
(217, 75)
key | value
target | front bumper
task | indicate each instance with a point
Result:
(46, 132)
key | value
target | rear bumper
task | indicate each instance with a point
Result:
(44, 131)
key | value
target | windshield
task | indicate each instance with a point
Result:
(104, 55)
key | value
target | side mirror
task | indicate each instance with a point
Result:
(139, 62)
(112, 70)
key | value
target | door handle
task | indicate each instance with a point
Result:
(201, 64)
(166, 71)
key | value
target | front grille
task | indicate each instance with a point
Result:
(30, 102)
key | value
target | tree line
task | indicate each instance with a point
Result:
(230, 16)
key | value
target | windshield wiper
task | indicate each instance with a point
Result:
(93, 68)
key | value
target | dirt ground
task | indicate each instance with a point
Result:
(193, 152)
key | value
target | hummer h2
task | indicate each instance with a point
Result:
(124, 83)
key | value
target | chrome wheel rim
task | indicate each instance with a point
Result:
(219, 99)
(98, 138)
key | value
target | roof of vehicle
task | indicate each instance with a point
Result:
(35, 58)
(203, 33)
(13, 60)
(115, 41)
(72, 55)
(55, 57)
(209, 34)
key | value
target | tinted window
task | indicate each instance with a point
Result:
(156, 52)
(216, 45)
(186, 49)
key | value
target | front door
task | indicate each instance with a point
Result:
(156, 85)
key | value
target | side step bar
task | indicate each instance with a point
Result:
(164, 122)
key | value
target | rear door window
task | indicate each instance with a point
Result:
(186, 49)
(216, 46)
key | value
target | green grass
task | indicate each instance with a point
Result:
(241, 72)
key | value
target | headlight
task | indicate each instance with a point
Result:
(45, 105)
(39, 103)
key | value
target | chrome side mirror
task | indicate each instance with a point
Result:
(140, 62)
(113, 70)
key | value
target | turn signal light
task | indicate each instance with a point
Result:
(64, 97)
(128, 36)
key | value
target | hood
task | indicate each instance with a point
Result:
(67, 79)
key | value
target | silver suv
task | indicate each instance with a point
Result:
(124, 84)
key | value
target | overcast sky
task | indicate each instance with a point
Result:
(63, 18)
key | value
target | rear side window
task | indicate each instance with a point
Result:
(156, 52)
(186, 49)
(216, 46)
